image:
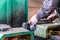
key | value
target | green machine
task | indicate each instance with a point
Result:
(13, 12)
(44, 30)
(8, 33)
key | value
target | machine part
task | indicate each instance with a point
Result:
(4, 27)
(39, 38)
(44, 30)
(44, 21)
(32, 28)
(20, 37)
(16, 34)
(54, 37)
(29, 27)
(26, 25)
(54, 31)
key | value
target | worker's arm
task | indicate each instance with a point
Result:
(46, 9)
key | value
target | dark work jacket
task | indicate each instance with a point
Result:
(47, 8)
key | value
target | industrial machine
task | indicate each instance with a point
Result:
(8, 33)
(13, 13)
(44, 30)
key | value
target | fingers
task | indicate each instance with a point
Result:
(29, 22)
(33, 20)
(52, 17)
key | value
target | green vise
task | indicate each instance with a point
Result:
(45, 30)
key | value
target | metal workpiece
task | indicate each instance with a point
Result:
(44, 21)
(29, 27)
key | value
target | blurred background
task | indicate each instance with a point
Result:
(33, 7)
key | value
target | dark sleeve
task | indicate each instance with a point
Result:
(46, 9)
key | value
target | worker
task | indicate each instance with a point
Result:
(45, 11)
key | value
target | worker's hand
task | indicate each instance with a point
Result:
(52, 17)
(33, 20)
